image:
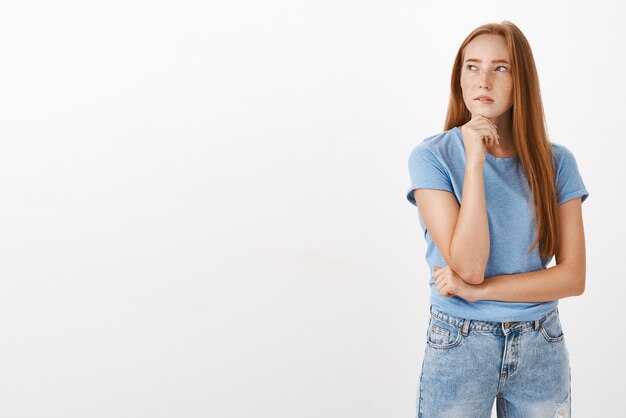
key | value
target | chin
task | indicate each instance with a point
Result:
(486, 112)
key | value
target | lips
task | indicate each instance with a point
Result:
(484, 99)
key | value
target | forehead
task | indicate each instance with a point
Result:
(487, 48)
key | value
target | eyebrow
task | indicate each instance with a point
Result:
(493, 62)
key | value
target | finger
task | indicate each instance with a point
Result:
(443, 291)
(485, 119)
(442, 273)
(491, 127)
(446, 291)
(494, 134)
(494, 129)
(440, 278)
(486, 135)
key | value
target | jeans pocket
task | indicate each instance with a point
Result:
(442, 335)
(551, 328)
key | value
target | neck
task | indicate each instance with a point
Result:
(506, 148)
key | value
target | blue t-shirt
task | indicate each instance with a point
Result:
(438, 162)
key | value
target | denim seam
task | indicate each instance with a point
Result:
(523, 328)
(477, 327)
(445, 346)
(503, 409)
(514, 354)
(440, 330)
(549, 338)
(563, 406)
(549, 315)
(419, 402)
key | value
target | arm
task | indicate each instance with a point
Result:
(461, 233)
(565, 279)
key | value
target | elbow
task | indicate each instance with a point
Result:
(475, 273)
(472, 273)
(477, 278)
(473, 276)
(580, 289)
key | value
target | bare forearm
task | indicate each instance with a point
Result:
(544, 285)
(469, 248)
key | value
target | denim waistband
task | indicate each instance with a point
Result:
(476, 325)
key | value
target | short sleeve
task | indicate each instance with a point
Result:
(426, 172)
(569, 183)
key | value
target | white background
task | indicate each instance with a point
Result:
(203, 205)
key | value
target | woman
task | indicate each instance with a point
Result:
(494, 331)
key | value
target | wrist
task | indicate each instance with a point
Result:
(479, 292)
(475, 165)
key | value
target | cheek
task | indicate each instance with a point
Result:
(509, 94)
(465, 86)
(507, 88)
(465, 80)
(469, 83)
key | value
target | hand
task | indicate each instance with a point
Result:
(477, 134)
(449, 284)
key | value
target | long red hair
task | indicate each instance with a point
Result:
(530, 137)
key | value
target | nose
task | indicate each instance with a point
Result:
(485, 82)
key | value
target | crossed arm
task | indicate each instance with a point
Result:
(560, 281)
(565, 279)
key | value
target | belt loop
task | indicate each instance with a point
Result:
(536, 324)
(466, 324)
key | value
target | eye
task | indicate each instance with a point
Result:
(468, 66)
(502, 66)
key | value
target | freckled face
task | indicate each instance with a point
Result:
(481, 76)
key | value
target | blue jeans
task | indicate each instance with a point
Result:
(467, 364)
